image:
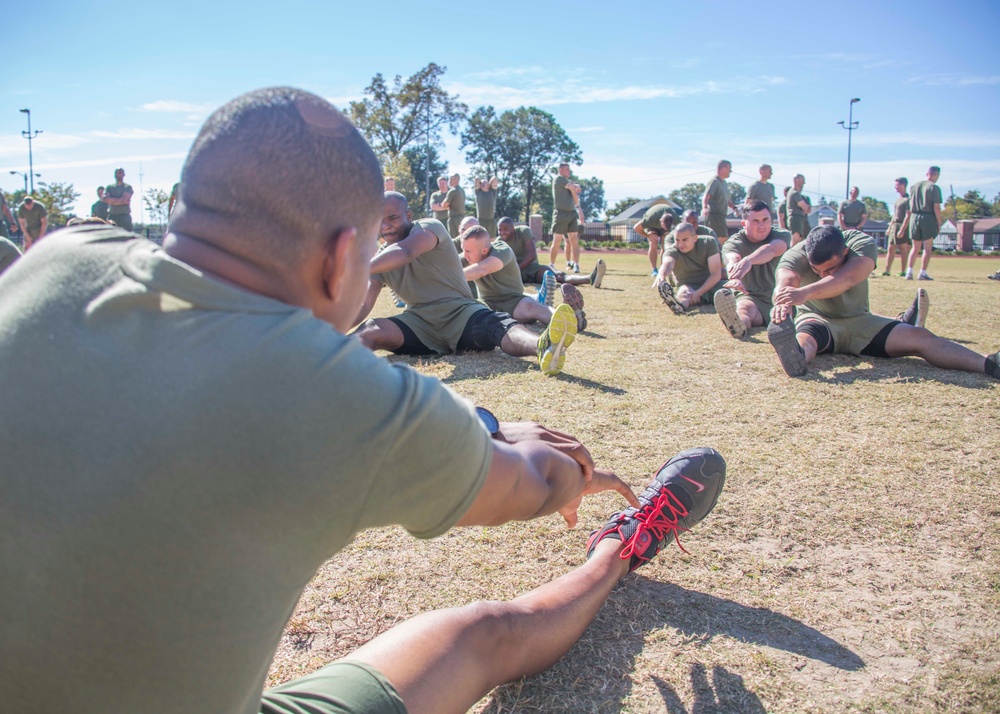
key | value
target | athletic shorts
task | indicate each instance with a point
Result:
(531, 274)
(483, 332)
(718, 224)
(506, 303)
(564, 222)
(764, 306)
(799, 224)
(338, 688)
(864, 335)
(891, 232)
(122, 220)
(709, 296)
(923, 226)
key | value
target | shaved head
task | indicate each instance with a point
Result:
(275, 172)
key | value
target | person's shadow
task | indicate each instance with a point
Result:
(600, 666)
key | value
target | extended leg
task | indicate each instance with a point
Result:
(557, 239)
(905, 340)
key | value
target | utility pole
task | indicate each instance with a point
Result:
(850, 126)
(29, 136)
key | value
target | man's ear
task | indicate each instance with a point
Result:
(337, 262)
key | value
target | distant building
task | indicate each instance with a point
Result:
(621, 225)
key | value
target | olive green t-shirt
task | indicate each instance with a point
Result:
(759, 282)
(562, 197)
(519, 241)
(455, 198)
(439, 197)
(853, 210)
(851, 303)
(923, 196)
(794, 209)
(783, 209)
(215, 448)
(899, 210)
(116, 191)
(502, 290)
(762, 191)
(8, 254)
(99, 209)
(486, 204)
(718, 197)
(691, 268)
(32, 217)
(435, 291)
(651, 218)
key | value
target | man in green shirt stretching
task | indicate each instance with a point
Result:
(826, 279)
(522, 242)
(653, 226)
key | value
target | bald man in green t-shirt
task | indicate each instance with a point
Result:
(895, 233)
(694, 260)
(438, 205)
(924, 221)
(653, 226)
(853, 213)
(763, 190)
(716, 201)
(826, 279)
(798, 208)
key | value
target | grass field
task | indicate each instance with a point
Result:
(852, 563)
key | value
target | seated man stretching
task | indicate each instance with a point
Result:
(493, 268)
(750, 257)
(421, 266)
(826, 277)
(522, 242)
(694, 261)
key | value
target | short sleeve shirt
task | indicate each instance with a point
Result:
(762, 191)
(519, 241)
(216, 447)
(759, 282)
(853, 210)
(923, 196)
(499, 289)
(439, 197)
(486, 204)
(562, 197)
(32, 216)
(794, 209)
(899, 210)
(851, 303)
(718, 197)
(691, 268)
(100, 209)
(651, 218)
(455, 199)
(116, 191)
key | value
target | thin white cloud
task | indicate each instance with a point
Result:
(143, 134)
(504, 72)
(917, 139)
(175, 107)
(115, 160)
(939, 80)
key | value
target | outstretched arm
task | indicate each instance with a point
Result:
(404, 252)
(485, 267)
(374, 288)
(739, 267)
(784, 280)
(854, 270)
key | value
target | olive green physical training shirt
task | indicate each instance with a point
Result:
(435, 291)
(794, 209)
(651, 218)
(486, 204)
(691, 268)
(851, 303)
(923, 196)
(502, 290)
(32, 217)
(899, 210)
(215, 448)
(519, 241)
(116, 191)
(718, 197)
(455, 198)
(562, 197)
(100, 209)
(439, 197)
(762, 191)
(759, 282)
(853, 210)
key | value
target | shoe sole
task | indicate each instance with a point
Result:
(546, 295)
(574, 298)
(562, 332)
(701, 471)
(599, 273)
(781, 335)
(923, 305)
(667, 295)
(725, 306)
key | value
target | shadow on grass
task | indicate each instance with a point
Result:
(725, 693)
(590, 384)
(906, 369)
(596, 674)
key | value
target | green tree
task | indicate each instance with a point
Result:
(592, 197)
(688, 196)
(393, 118)
(622, 205)
(877, 210)
(417, 156)
(995, 207)
(971, 205)
(399, 168)
(737, 194)
(156, 200)
(58, 198)
(519, 147)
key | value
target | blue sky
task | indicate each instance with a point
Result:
(654, 93)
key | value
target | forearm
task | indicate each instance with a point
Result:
(374, 288)
(389, 259)
(547, 481)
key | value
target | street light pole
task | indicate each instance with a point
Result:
(29, 136)
(25, 177)
(850, 126)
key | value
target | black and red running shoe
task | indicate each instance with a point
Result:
(682, 493)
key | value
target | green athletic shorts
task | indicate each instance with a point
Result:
(564, 222)
(505, 303)
(763, 305)
(851, 335)
(891, 232)
(709, 296)
(338, 688)
(799, 224)
(718, 224)
(923, 226)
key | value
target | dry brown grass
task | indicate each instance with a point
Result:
(852, 563)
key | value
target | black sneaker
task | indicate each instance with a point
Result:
(669, 299)
(682, 493)
(916, 314)
(781, 335)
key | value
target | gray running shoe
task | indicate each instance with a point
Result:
(597, 276)
(725, 306)
(916, 314)
(781, 335)
(667, 294)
